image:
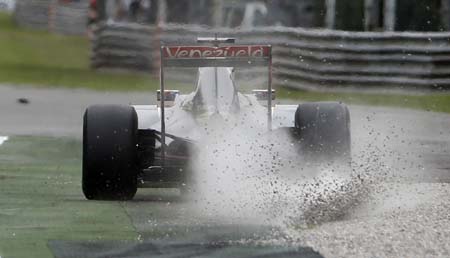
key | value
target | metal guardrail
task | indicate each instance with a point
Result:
(69, 18)
(32, 14)
(123, 46)
(310, 59)
(56, 16)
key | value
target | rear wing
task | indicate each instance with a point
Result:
(220, 53)
(216, 56)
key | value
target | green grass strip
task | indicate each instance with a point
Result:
(41, 199)
(435, 102)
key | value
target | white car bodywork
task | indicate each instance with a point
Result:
(184, 118)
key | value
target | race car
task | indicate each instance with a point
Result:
(129, 147)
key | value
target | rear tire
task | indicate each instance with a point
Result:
(323, 129)
(110, 166)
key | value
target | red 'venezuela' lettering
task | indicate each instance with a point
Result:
(215, 52)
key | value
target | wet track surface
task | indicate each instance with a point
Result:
(403, 195)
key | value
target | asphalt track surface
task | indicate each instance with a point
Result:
(407, 151)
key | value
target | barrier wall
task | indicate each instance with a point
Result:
(303, 58)
(57, 16)
(69, 18)
(32, 13)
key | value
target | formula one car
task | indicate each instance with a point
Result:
(127, 147)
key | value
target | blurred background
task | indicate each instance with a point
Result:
(358, 51)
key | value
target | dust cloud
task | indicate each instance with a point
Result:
(246, 175)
